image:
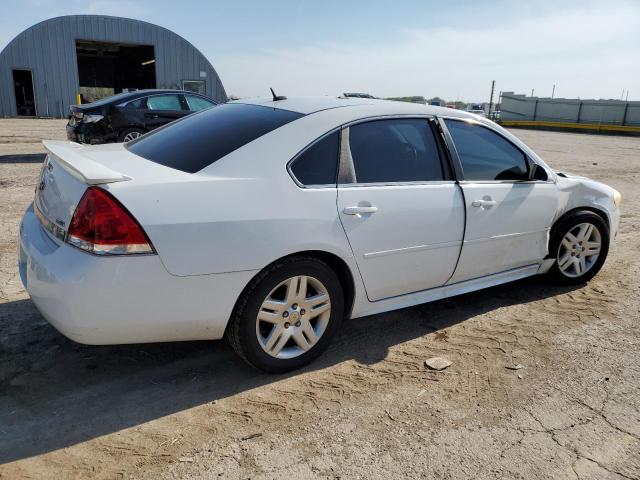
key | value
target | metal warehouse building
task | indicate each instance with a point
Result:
(45, 68)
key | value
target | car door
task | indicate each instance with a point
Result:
(164, 108)
(401, 211)
(508, 214)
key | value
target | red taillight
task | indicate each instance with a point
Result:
(103, 226)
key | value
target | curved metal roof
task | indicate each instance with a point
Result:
(48, 50)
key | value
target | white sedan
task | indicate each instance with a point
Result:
(269, 221)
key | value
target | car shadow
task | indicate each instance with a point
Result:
(23, 158)
(55, 393)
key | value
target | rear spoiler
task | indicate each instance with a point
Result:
(69, 156)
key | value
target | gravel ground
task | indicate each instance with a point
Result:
(368, 408)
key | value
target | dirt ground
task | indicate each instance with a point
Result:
(368, 408)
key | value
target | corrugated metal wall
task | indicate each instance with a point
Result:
(48, 49)
(598, 112)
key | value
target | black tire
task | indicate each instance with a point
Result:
(560, 230)
(241, 330)
(126, 132)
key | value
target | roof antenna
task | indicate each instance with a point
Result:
(276, 97)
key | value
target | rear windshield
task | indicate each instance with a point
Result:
(198, 140)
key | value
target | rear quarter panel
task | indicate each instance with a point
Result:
(243, 211)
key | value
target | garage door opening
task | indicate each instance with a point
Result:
(107, 68)
(25, 99)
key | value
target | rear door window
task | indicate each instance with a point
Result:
(318, 164)
(396, 150)
(164, 102)
(198, 140)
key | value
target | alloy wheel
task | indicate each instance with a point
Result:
(579, 250)
(293, 317)
(131, 136)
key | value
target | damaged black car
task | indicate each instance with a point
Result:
(126, 116)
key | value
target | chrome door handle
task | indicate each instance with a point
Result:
(359, 210)
(484, 203)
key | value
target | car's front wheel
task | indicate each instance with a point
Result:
(580, 244)
(288, 315)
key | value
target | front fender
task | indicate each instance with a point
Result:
(581, 192)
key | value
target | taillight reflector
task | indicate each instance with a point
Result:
(102, 225)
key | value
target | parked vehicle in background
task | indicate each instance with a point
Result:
(451, 105)
(357, 95)
(270, 221)
(126, 116)
(476, 109)
(495, 115)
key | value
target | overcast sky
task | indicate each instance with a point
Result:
(453, 49)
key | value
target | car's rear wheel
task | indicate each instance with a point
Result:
(288, 315)
(130, 134)
(580, 244)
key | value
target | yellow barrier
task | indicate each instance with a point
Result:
(579, 126)
(79, 99)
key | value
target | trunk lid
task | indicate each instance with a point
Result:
(70, 168)
(65, 175)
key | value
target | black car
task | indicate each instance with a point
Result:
(126, 116)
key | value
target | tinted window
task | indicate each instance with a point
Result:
(318, 164)
(196, 141)
(399, 150)
(164, 102)
(139, 103)
(197, 103)
(485, 155)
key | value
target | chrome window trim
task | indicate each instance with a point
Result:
(402, 116)
(398, 184)
(495, 182)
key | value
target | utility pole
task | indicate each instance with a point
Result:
(532, 92)
(493, 86)
(553, 91)
(627, 99)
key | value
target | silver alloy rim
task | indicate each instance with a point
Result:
(293, 317)
(131, 136)
(579, 250)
